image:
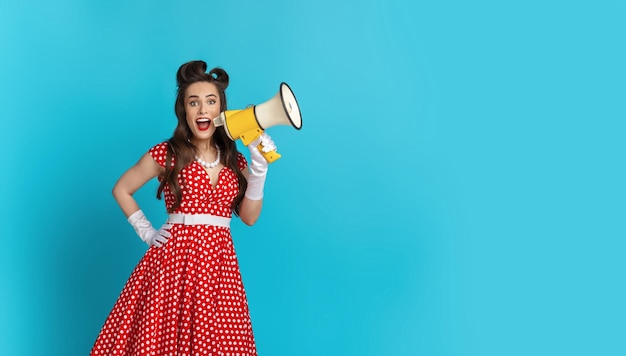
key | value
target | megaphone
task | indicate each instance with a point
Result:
(249, 123)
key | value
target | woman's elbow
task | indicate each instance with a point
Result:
(119, 193)
(249, 220)
(115, 191)
(250, 210)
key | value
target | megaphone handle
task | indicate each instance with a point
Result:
(270, 156)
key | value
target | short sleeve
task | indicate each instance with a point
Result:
(159, 153)
(241, 161)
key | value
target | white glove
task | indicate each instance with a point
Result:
(258, 166)
(146, 232)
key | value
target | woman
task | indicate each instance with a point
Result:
(186, 297)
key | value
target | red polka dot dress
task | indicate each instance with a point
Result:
(186, 297)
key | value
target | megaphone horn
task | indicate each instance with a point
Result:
(248, 124)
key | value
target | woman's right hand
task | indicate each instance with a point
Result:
(146, 232)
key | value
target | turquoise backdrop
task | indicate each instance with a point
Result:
(457, 188)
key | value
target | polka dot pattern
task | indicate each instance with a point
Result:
(186, 297)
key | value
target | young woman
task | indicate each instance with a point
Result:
(186, 296)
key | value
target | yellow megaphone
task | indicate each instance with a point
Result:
(249, 123)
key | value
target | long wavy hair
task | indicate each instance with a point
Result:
(180, 146)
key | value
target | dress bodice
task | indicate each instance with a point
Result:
(199, 196)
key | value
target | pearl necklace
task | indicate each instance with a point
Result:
(212, 164)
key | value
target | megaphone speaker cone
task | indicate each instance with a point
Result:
(282, 109)
(290, 105)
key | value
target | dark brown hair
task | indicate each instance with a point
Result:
(180, 146)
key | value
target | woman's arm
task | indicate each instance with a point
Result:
(255, 173)
(133, 179)
(249, 210)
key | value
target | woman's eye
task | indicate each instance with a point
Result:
(211, 102)
(193, 103)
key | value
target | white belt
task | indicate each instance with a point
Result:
(198, 219)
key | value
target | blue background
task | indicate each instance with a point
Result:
(457, 187)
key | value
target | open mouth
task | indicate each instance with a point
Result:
(203, 123)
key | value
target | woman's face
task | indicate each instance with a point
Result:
(202, 105)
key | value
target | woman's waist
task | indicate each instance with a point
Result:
(199, 219)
